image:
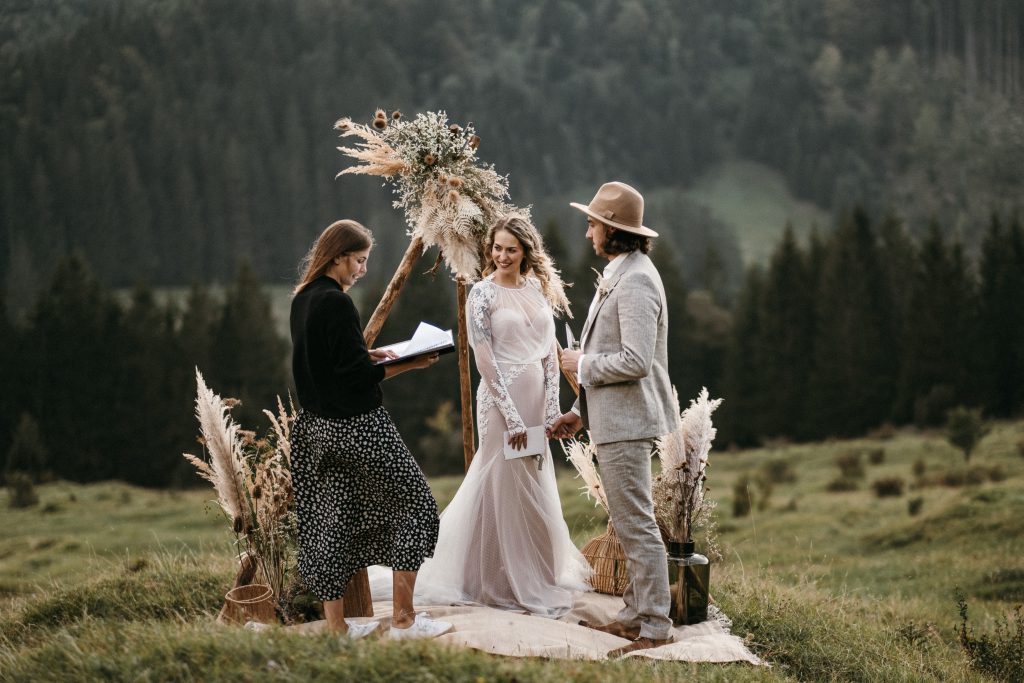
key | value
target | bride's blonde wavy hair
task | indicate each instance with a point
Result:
(535, 259)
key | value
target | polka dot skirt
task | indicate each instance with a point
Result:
(360, 499)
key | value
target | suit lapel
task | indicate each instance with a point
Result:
(609, 286)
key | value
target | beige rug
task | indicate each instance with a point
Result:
(521, 635)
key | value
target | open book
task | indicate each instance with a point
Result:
(426, 339)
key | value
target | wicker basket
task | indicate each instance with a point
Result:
(604, 553)
(252, 602)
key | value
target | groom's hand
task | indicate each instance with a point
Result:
(565, 426)
(570, 360)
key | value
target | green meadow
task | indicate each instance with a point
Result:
(107, 581)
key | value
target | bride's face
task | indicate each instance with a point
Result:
(507, 253)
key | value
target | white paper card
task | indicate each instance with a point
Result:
(536, 444)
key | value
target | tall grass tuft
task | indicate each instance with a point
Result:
(999, 654)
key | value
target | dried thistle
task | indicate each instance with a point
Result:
(380, 124)
(474, 141)
(396, 115)
(380, 114)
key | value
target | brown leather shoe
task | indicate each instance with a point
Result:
(615, 628)
(639, 644)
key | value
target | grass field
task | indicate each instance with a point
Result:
(107, 581)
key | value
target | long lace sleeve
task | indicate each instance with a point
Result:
(481, 297)
(552, 411)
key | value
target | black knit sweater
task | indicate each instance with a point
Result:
(334, 376)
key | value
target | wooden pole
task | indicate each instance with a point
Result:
(394, 288)
(358, 601)
(465, 388)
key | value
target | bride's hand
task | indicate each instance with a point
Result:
(565, 426)
(517, 441)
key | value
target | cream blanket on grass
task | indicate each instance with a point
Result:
(514, 634)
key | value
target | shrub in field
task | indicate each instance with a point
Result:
(888, 487)
(850, 465)
(999, 654)
(841, 484)
(914, 506)
(741, 498)
(930, 409)
(764, 492)
(1020, 448)
(27, 453)
(996, 473)
(919, 467)
(883, 433)
(22, 492)
(965, 428)
(876, 456)
(778, 471)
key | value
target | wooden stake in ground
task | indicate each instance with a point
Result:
(465, 389)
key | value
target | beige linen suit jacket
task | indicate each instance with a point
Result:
(625, 364)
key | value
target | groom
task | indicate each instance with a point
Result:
(626, 402)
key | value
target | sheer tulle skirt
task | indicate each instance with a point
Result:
(503, 541)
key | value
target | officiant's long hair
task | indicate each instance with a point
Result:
(535, 259)
(338, 239)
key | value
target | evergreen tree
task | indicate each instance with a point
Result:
(938, 345)
(900, 263)
(852, 379)
(747, 391)
(788, 333)
(1001, 325)
(683, 370)
(74, 361)
(155, 394)
(249, 358)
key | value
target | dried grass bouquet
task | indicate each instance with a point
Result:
(680, 504)
(252, 478)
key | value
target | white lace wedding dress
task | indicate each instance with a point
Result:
(503, 540)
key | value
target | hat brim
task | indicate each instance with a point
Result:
(642, 230)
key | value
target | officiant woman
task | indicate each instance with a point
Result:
(360, 498)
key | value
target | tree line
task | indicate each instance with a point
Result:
(870, 326)
(164, 140)
(850, 331)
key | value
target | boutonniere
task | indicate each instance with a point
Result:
(602, 285)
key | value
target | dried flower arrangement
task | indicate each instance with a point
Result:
(252, 478)
(581, 455)
(449, 197)
(680, 503)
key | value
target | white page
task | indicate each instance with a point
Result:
(426, 337)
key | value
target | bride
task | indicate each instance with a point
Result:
(503, 541)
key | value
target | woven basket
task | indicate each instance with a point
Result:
(252, 602)
(604, 553)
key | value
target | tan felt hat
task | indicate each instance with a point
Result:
(620, 206)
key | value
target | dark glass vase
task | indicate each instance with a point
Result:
(689, 575)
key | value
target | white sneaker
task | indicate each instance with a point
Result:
(357, 631)
(422, 627)
(256, 626)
